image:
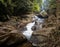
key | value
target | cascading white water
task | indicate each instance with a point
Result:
(29, 31)
(45, 4)
(39, 22)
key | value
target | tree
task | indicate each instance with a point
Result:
(52, 7)
(14, 7)
(36, 6)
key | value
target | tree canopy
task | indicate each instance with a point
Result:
(18, 7)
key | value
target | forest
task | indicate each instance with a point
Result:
(18, 7)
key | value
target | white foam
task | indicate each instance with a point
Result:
(29, 31)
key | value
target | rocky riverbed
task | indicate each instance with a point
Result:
(47, 36)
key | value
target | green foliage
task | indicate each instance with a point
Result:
(14, 7)
(23, 6)
(18, 7)
(3, 11)
(36, 7)
(52, 7)
(52, 3)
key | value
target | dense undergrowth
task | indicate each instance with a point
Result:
(10, 8)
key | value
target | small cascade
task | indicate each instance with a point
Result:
(45, 4)
(28, 33)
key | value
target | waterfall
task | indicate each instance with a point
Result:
(28, 33)
(45, 4)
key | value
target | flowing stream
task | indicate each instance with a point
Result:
(37, 22)
(28, 33)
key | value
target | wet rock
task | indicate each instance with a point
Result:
(13, 38)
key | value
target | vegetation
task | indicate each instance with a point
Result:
(53, 4)
(17, 7)
(36, 6)
(52, 7)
